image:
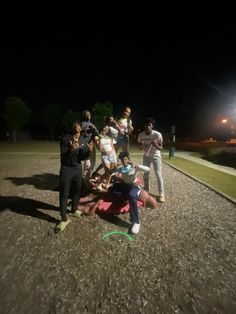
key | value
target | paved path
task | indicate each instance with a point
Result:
(188, 156)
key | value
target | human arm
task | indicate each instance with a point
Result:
(141, 168)
(112, 145)
(130, 127)
(140, 145)
(119, 127)
(84, 151)
(64, 144)
(158, 143)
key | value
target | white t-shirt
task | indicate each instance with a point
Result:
(123, 124)
(105, 144)
(129, 173)
(113, 133)
(146, 139)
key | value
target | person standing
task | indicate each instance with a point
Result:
(151, 141)
(72, 153)
(88, 133)
(108, 155)
(125, 127)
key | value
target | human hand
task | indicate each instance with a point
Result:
(90, 146)
(74, 144)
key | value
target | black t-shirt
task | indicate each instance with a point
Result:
(72, 158)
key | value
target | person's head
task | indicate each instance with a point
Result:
(124, 157)
(86, 115)
(105, 129)
(76, 127)
(110, 120)
(126, 112)
(149, 125)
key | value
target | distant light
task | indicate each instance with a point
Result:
(224, 120)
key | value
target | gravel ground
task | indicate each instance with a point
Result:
(182, 261)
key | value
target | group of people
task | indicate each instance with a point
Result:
(78, 159)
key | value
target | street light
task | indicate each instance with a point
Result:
(228, 126)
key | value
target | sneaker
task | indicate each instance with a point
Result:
(135, 228)
(77, 213)
(62, 226)
(162, 198)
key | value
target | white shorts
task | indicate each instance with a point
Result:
(109, 158)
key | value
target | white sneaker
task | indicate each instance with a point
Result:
(162, 198)
(135, 228)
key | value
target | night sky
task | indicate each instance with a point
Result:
(178, 76)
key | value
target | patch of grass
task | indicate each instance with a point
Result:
(31, 146)
(218, 179)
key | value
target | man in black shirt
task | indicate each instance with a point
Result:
(72, 153)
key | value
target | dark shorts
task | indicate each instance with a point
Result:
(122, 140)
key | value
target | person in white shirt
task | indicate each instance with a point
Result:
(113, 128)
(151, 142)
(128, 187)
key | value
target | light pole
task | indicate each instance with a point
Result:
(172, 142)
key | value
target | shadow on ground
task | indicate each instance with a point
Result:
(28, 207)
(114, 220)
(46, 181)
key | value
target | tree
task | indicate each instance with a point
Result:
(68, 119)
(100, 112)
(53, 118)
(17, 114)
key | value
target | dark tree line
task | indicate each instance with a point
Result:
(55, 118)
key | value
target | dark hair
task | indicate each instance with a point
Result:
(148, 120)
(103, 126)
(73, 125)
(74, 122)
(85, 115)
(127, 107)
(122, 155)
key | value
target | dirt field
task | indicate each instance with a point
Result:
(183, 260)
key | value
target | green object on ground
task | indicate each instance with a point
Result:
(107, 235)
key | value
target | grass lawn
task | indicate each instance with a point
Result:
(218, 179)
(30, 146)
